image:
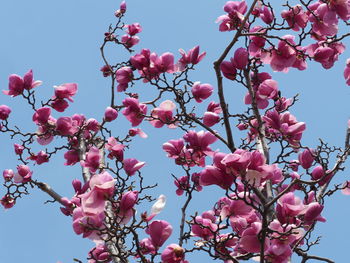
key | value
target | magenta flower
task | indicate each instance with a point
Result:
(66, 91)
(341, 7)
(123, 76)
(325, 23)
(65, 126)
(159, 231)
(182, 184)
(92, 159)
(306, 158)
(42, 115)
(7, 201)
(266, 15)
(18, 84)
(211, 118)
(130, 41)
(134, 111)
(288, 208)
(40, 158)
(192, 57)
(110, 114)
(72, 157)
(137, 131)
(163, 114)
(147, 246)
(282, 58)
(59, 105)
(201, 92)
(116, 150)
(133, 29)
(228, 70)
(23, 174)
(126, 205)
(142, 60)
(216, 174)
(173, 254)
(347, 72)
(8, 174)
(240, 58)
(295, 17)
(163, 63)
(204, 226)
(99, 253)
(256, 42)
(268, 89)
(249, 241)
(4, 112)
(235, 16)
(326, 54)
(318, 173)
(174, 148)
(131, 166)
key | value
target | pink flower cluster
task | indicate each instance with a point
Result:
(195, 150)
(17, 84)
(238, 62)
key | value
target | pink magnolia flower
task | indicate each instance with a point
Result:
(8, 174)
(182, 184)
(121, 10)
(23, 174)
(201, 91)
(92, 125)
(147, 247)
(72, 157)
(256, 42)
(306, 158)
(4, 112)
(240, 58)
(326, 54)
(141, 60)
(204, 226)
(123, 76)
(59, 105)
(131, 166)
(173, 254)
(211, 117)
(18, 149)
(288, 208)
(163, 63)
(192, 57)
(249, 241)
(133, 29)
(18, 84)
(200, 141)
(137, 131)
(159, 231)
(134, 111)
(216, 174)
(92, 159)
(268, 89)
(163, 114)
(65, 126)
(110, 114)
(266, 15)
(347, 72)
(40, 158)
(7, 201)
(174, 148)
(126, 205)
(85, 224)
(318, 173)
(106, 70)
(102, 187)
(235, 16)
(283, 57)
(130, 41)
(325, 23)
(296, 17)
(99, 253)
(341, 7)
(42, 115)
(66, 91)
(116, 150)
(228, 69)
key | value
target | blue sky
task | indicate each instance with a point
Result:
(60, 41)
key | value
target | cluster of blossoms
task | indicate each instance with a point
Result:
(268, 207)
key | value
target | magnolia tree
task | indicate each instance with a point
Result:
(273, 186)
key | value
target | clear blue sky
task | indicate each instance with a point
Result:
(60, 41)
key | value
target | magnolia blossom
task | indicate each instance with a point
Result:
(347, 72)
(4, 112)
(23, 175)
(163, 114)
(131, 166)
(18, 84)
(66, 91)
(110, 114)
(192, 57)
(296, 17)
(159, 231)
(123, 76)
(173, 254)
(134, 111)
